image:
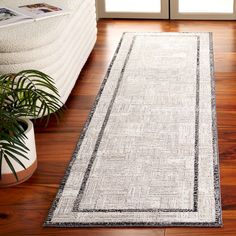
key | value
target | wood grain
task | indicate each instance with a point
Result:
(23, 208)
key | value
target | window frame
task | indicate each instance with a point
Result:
(164, 14)
(175, 15)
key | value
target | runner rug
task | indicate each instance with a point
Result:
(148, 154)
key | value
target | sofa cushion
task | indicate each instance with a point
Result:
(34, 34)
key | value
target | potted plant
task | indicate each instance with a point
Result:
(27, 94)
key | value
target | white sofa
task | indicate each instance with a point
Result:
(58, 46)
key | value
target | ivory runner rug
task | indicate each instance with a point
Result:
(148, 154)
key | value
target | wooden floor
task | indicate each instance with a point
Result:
(24, 208)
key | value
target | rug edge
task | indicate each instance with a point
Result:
(131, 225)
(217, 185)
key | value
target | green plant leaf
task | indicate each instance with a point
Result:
(15, 158)
(11, 166)
(29, 93)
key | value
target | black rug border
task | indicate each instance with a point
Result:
(196, 143)
(217, 223)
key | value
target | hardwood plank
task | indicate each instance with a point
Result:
(23, 208)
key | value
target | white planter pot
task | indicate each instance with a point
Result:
(8, 177)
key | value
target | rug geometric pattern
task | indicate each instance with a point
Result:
(148, 154)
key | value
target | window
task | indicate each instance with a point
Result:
(133, 5)
(165, 9)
